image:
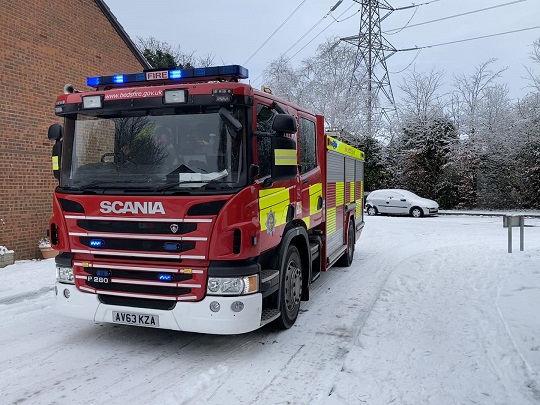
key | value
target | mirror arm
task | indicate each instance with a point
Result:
(259, 134)
(278, 108)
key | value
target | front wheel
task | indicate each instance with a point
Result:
(371, 211)
(290, 289)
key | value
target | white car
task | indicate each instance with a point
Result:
(399, 202)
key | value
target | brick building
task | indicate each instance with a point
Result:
(45, 44)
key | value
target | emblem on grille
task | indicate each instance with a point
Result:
(174, 228)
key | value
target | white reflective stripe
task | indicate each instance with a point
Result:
(146, 219)
(198, 220)
(157, 283)
(118, 267)
(87, 289)
(160, 297)
(186, 298)
(81, 277)
(126, 236)
(138, 236)
(129, 254)
(193, 271)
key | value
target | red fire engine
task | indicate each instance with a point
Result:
(188, 200)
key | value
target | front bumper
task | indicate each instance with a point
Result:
(186, 316)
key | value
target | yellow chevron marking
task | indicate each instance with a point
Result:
(340, 193)
(331, 221)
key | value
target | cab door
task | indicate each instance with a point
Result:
(310, 172)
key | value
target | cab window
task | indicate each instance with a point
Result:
(307, 141)
(265, 119)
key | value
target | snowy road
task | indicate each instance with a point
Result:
(433, 311)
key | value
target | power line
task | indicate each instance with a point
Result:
(315, 25)
(311, 29)
(452, 16)
(277, 29)
(467, 39)
(409, 65)
(402, 28)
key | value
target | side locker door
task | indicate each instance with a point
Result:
(335, 198)
(359, 189)
(350, 187)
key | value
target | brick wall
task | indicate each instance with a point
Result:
(45, 44)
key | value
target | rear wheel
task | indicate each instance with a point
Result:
(417, 212)
(372, 211)
(347, 258)
(290, 288)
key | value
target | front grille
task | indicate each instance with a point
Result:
(165, 283)
(149, 228)
(140, 289)
(139, 245)
(137, 302)
(139, 275)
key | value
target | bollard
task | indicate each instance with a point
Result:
(510, 221)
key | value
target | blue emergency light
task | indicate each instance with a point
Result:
(165, 277)
(98, 243)
(228, 72)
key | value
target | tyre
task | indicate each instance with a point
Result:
(371, 211)
(417, 212)
(290, 288)
(348, 256)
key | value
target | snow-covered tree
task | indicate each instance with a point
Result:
(329, 83)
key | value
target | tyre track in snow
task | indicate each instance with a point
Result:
(357, 289)
(479, 331)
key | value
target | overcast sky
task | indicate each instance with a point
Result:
(233, 30)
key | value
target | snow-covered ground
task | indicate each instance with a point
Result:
(433, 311)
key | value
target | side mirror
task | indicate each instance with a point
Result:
(55, 132)
(284, 124)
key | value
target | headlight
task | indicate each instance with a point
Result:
(65, 275)
(233, 285)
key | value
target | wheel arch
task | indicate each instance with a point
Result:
(296, 235)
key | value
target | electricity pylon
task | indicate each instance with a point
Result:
(373, 50)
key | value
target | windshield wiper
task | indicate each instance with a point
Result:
(207, 184)
(99, 185)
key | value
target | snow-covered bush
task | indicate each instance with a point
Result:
(44, 243)
(4, 250)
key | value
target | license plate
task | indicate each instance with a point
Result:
(130, 318)
(98, 279)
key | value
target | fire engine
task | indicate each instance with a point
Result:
(189, 200)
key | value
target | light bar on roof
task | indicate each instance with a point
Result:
(172, 75)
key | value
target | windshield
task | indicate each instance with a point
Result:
(158, 153)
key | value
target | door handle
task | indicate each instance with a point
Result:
(305, 181)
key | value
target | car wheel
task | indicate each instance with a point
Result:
(290, 288)
(417, 212)
(371, 211)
